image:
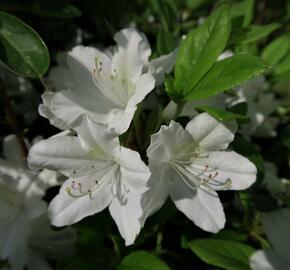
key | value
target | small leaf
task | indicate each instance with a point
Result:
(230, 235)
(221, 115)
(253, 33)
(243, 8)
(200, 49)
(228, 73)
(21, 48)
(142, 260)
(276, 50)
(226, 254)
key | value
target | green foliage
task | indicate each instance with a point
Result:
(200, 49)
(21, 49)
(222, 115)
(142, 260)
(228, 73)
(226, 254)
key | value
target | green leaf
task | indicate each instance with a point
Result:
(54, 9)
(276, 49)
(283, 66)
(195, 4)
(230, 235)
(253, 33)
(21, 48)
(228, 73)
(142, 260)
(200, 49)
(243, 8)
(285, 136)
(221, 115)
(226, 254)
(165, 42)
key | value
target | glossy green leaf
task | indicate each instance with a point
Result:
(142, 260)
(21, 48)
(228, 73)
(253, 33)
(221, 115)
(226, 254)
(200, 49)
(276, 50)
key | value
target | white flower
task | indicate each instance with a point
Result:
(191, 165)
(21, 206)
(106, 86)
(276, 225)
(100, 173)
(261, 104)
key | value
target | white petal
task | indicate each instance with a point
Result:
(143, 86)
(133, 49)
(162, 65)
(268, 260)
(133, 170)
(66, 210)
(126, 215)
(211, 134)
(276, 225)
(202, 207)
(63, 154)
(164, 143)
(94, 135)
(45, 111)
(153, 199)
(229, 165)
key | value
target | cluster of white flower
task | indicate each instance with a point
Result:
(93, 99)
(26, 235)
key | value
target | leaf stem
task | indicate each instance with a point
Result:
(12, 119)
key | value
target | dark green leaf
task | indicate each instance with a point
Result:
(253, 33)
(230, 235)
(55, 9)
(245, 9)
(165, 42)
(226, 254)
(21, 48)
(221, 115)
(142, 260)
(228, 73)
(200, 49)
(276, 50)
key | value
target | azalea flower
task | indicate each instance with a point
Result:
(261, 104)
(276, 225)
(106, 86)
(100, 173)
(190, 165)
(21, 208)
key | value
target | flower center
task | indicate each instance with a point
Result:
(199, 176)
(109, 173)
(112, 84)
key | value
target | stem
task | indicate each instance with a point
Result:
(12, 119)
(178, 110)
(159, 239)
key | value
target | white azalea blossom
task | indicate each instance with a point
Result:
(261, 104)
(21, 208)
(100, 173)
(276, 225)
(106, 86)
(190, 165)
